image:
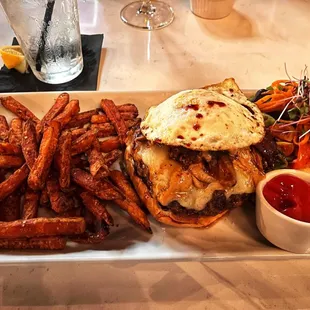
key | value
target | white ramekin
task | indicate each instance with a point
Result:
(284, 232)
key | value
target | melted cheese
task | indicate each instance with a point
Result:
(171, 183)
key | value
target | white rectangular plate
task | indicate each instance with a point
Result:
(235, 237)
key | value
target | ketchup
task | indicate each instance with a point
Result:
(289, 195)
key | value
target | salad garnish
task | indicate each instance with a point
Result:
(286, 108)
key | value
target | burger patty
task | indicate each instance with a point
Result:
(218, 204)
(142, 172)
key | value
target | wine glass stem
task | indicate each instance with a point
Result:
(146, 8)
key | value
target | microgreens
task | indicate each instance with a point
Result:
(301, 101)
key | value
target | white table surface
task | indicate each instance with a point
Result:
(252, 45)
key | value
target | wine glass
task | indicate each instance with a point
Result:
(148, 15)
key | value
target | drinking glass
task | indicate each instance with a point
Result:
(48, 32)
(212, 9)
(148, 15)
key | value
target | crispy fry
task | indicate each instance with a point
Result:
(81, 119)
(91, 238)
(10, 149)
(10, 207)
(101, 188)
(128, 115)
(114, 116)
(72, 190)
(83, 143)
(59, 105)
(71, 109)
(23, 188)
(42, 226)
(31, 204)
(38, 174)
(4, 128)
(124, 185)
(96, 207)
(96, 144)
(18, 109)
(135, 213)
(60, 202)
(97, 167)
(107, 129)
(102, 118)
(79, 162)
(99, 119)
(132, 122)
(8, 186)
(103, 130)
(90, 220)
(29, 143)
(75, 133)
(76, 212)
(96, 230)
(64, 155)
(111, 157)
(42, 243)
(15, 134)
(110, 144)
(44, 198)
(123, 168)
(128, 107)
(3, 173)
(10, 161)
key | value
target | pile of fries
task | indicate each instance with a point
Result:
(62, 164)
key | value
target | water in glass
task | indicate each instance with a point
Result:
(49, 34)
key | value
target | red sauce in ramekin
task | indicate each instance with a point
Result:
(289, 195)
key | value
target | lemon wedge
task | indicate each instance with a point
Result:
(14, 58)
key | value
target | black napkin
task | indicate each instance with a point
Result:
(13, 81)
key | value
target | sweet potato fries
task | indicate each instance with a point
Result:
(62, 164)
